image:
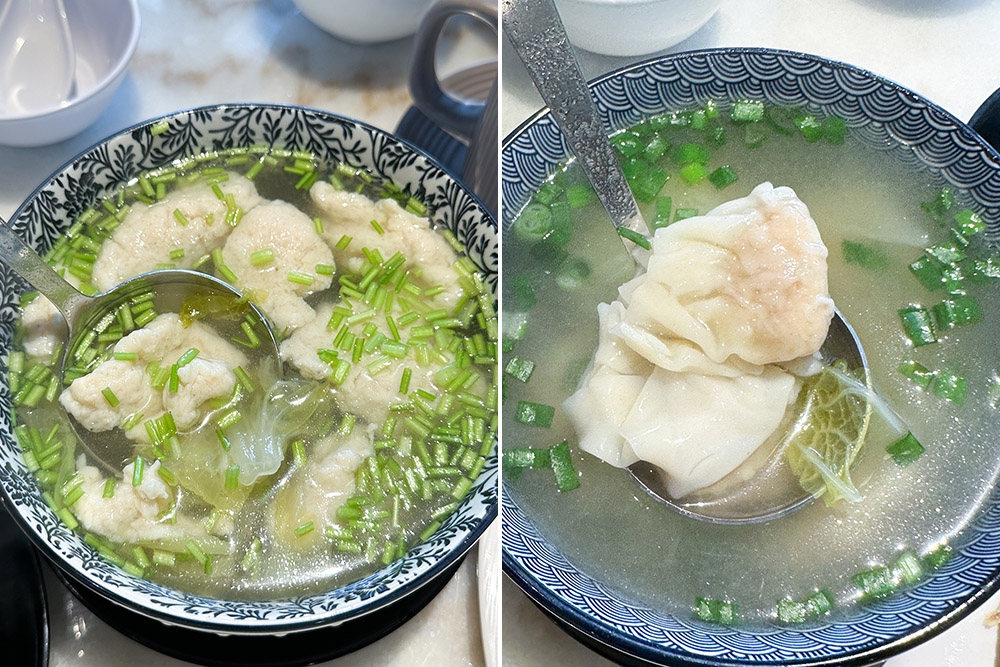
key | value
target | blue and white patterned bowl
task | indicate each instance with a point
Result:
(889, 117)
(98, 172)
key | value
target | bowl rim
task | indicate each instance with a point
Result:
(122, 61)
(597, 632)
(237, 626)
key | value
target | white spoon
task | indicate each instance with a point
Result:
(37, 59)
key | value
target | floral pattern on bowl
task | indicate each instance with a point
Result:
(97, 173)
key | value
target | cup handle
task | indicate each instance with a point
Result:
(454, 115)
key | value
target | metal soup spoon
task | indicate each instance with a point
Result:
(83, 314)
(537, 34)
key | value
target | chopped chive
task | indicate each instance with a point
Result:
(159, 128)
(109, 487)
(305, 529)
(227, 274)
(244, 379)
(229, 419)
(180, 217)
(262, 257)
(377, 227)
(174, 380)
(163, 558)
(187, 357)
(137, 470)
(325, 269)
(300, 278)
(344, 241)
(299, 452)
(110, 397)
(232, 477)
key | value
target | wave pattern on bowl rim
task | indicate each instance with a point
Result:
(95, 174)
(884, 115)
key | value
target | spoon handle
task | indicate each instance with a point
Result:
(537, 34)
(26, 263)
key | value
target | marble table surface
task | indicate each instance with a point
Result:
(946, 50)
(196, 52)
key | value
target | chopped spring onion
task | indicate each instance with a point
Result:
(109, 487)
(747, 111)
(534, 414)
(949, 386)
(864, 255)
(520, 369)
(906, 450)
(918, 325)
(562, 466)
(723, 177)
(635, 237)
(527, 457)
(956, 311)
(875, 583)
(534, 223)
(918, 373)
(715, 611)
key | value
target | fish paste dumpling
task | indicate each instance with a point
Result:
(748, 280)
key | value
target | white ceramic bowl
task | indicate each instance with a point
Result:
(105, 34)
(633, 27)
(369, 21)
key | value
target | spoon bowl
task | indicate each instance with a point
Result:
(87, 316)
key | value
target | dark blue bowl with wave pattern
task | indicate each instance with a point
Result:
(886, 115)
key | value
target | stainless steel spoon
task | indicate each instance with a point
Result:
(82, 313)
(538, 36)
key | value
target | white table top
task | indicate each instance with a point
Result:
(944, 50)
(196, 52)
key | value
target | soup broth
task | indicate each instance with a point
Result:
(616, 533)
(294, 483)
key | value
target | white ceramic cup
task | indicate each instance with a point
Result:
(473, 122)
